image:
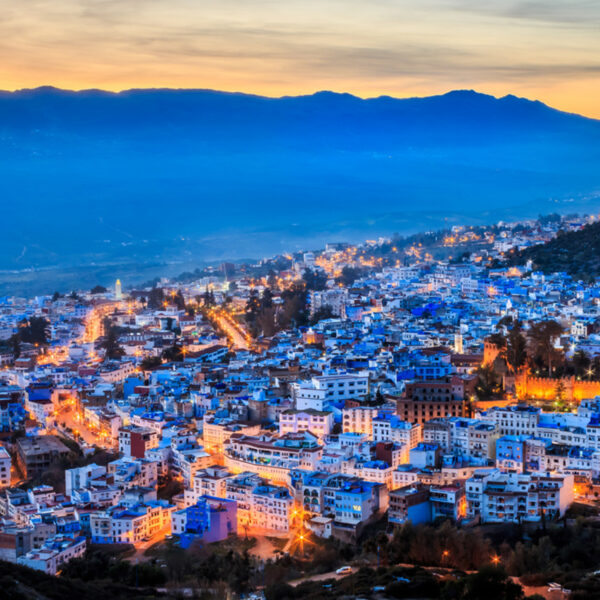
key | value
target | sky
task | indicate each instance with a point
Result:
(541, 49)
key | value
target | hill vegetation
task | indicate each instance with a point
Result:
(575, 252)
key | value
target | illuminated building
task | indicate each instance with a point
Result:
(5, 465)
(272, 457)
(134, 441)
(359, 419)
(209, 519)
(216, 431)
(130, 524)
(36, 454)
(127, 472)
(329, 388)
(209, 482)
(514, 420)
(259, 505)
(497, 497)
(318, 422)
(55, 552)
(387, 427)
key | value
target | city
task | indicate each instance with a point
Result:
(300, 300)
(307, 411)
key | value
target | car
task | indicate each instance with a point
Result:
(346, 570)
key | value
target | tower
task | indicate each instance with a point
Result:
(118, 290)
(458, 343)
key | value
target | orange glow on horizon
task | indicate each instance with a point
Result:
(401, 49)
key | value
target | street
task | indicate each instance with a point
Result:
(238, 338)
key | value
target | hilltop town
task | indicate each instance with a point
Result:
(306, 401)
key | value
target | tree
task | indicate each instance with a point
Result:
(294, 311)
(98, 289)
(516, 348)
(156, 297)
(179, 300)
(271, 279)
(559, 394)
(349, 275)
(173, 353)
(541, 339)
(490, 583)
(266, 299)
(208, 298)
(34, 330)
(253, 309)
(488, 383)
(149, 363)
(15, 344)
(55, 296)
(314, 280)
(110, 343)
(581, 363)
(324, 312)
(379, 398)
(265, 322)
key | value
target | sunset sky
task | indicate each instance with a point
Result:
(542, 49)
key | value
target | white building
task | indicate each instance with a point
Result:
(55, 552)
(5, 466)
(514, 420)
(318, 422)
(130, 524)
(359, 419)
(329, 388)
(272, 457)
(497, 497)
(335, 299)
(389, 428)
(211, 481)
(260, 506)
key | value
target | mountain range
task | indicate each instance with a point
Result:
(175, 177)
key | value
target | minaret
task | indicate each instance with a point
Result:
(118, 290)
(458, 343)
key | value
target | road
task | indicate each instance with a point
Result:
(320, 577)
(528, 590)
(238, 337)
(141, 547)
(73, 421)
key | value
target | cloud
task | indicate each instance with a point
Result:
(563, 13)
(276, 47)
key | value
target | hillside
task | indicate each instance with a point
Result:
(575, 252)
(172, 177)
(22, 583)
